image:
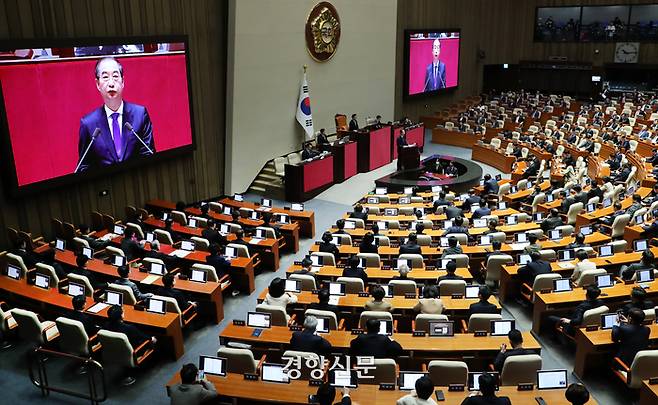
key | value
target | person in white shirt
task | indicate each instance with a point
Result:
(421, 395)
(583, 264)
(277, 295)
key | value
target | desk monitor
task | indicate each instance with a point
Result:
(317, 261)
(231, 252)
(644, 275)
(335, 239)
(609, 320)
(485, 240)
(118, 229)
(87, 252)
(191, 222)
(482, 182)
(156, 306)
(323, 325)
(266, 202)
(565, 255)
(343, 378)
(499, 177)
(238, 198)
(274, 373)
(381, 191)
(388, 290)
(119, 260)
(479, 223)
(157, 268)
(604, 281)
(42, 281)
(551, 379)
(350, 224)
(640, 245)
(284, 219)
(293, 285)
(404, 200)
(224, 229)
(390, 212)
(513, 189)
(591, 207)
(407, 380)
(502, 327)
(386, 327)
(260, 233)
(443, 263)
(443, 241)
(512, 220)
(259, 320)
(474, 207)
(538, 217)
(474, 383)
(199, 276)
(502, 205)
(212, 365)
(399, 262)
(382, 225)
(408, 190)
(253, 215)
(165, 216)
(524, 259)
(74, 289)
(373, 200)
(150, 237)
(586, 230)
(296, 207)
(555, 234)
(227, 210)
(550, 198)
(363, 262)
(436, 189)
(561, 285)
(607, 202)
(472, 291)
(113, 297)
(447, 223)
(336, 288)
(639, 219)
(13, 272)
(521, 237)
(606, 250)
(60, 244)
(441, 328)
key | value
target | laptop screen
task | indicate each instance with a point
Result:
(400, 262)
(231, 251)
(404, 200)
(60, 244)
(266, 202)
(350, 224)
(118, 229)
(524, 259)
(187, 245)
(119, 261)
(474, 383)
(260, 233)
(297, 207)
(150, 237)
(591, 207)
(253, 215)
(157, 306)
(380, 191)
(640, 245)
(87, 252)
(283, 219)
(223, 228)
(373, 200)
(386, 328)
(555, 234)
(13, 272)
(512, 220)
(343, 378)
(228, 210)
(644, 275)
(443, 241)
(74, 289)
(238, 197)
(566, 255)
(258, 320)
(521, 237)
(561, 285)
(609, 320)
(199, 276)
(212, 365)
(408, 379)
(586, 230)
(551, 379)
(485, 240)
(191, 222)
(157, 269)
(441, 328)
(604, 280)
(382, 225)
(293, 285)
(447, 224)
(408, 190)
(323, 325)
(336, 288)
(114, 298)
(388, 290)
(41, 280)
(605, 250)
(335, 240)
(502, 205)
(390, 212)
(274, 373)
(538, 217)
(316, 260)
(479, 223)
(472, 291)
(502, 328)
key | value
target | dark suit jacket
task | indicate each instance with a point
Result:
(354, 125)
(102, 152)
(221, 265)
(480, 212)
(491, 187)
(435, 82)
(449, 277)
(375, 345)
(595, 192)
(483, 307)
(305, 341)
(466, 206)
(410, 248)
(632, 339)
(367, 248)
(131, 249)
(482, 400)
(324, 307)
(358, 273)
(329, 248)
(135, 336)
(401, 142)
(582, 197)
(453, 212)
(213, 236)
(181, 298)
(577, 317)
(359, 215)
(551, 223)
(531, 270)
(87, 321)
(501, 357)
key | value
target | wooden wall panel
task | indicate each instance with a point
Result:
(191, 177)
(501, 28)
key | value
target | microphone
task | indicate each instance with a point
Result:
(130, 128)
(97, 132)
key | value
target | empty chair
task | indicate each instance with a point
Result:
(643, 367)
(548, 254)
(446, 372)
(520, 369)
(588, 277)
(402, 287)
(241, 250)
(353, 285)
(200, 243)
(416, 259)
(498, 236)
(618, 226)
(327, 258)
(331, 316)
(294, 158)
(382, 240)
(239, 361)
(494, 266)
(618, 246)
(117, 350)
(385, 372)
(137, 228)
(565, 230)
(179, 216)
(115, 251)
(280, 166)
(379, 315)
(163, 237)
(30, 328)
(49, 271)
(424, 240)
(422, 321)
(538, 199)
(481, 322)
(128, 294)
(450, 287)
(307, 281)
(278, 315)
(215, 207)
(495, 143)
(406, 210)
(460, 259)
(73, 338)
(541, 282)
(574, 210)
(345, 239)
(211, 273)
(372, 259)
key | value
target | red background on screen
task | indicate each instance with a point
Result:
(420, 55)
(45, 101)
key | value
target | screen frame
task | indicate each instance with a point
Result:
(9, 174)
(405, 87)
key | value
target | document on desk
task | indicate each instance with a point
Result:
(107, 236)
(97, 307)
(518, 246)
(180, 253)
(255, 241)
(566, 265)
(333, 300)
(150, 279)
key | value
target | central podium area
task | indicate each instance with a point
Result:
(430, 173)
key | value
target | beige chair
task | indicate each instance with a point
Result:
(48, 270)
(619, 246)
(462, 238)
(307, 281)
(270, 233)
(211, 273)
(520, 369)
(424, 240)
(137, 228)
(493, 267)
(538, 199)
(372, 259)
(278, 315)
(117, 350)
(480, 322)
(498, 236)
(446, 372)
(383, 240)
(7, 323)
(405, 210)
(449, 287)
(385, 371)
(179, 216)
(541, 282)
(331, 316)
(643, 367)
(30, 328)
(186, 316)
(461, 260)
(328, 259)
(241, 250)
(114, 251)
(593, 316)
(353, 285)
(358, 222)
(240, 361)
(294, 158)
(402, 287)
(18, 262)
(379, 315)
(73, 338)
(128, 294)
(76, 278)
(649, 314)
(565, 230)
(163, 237)
(345, 239)
(422, 321)
(574, 210)
(80, 243)
(549, 255)
(416, 259)
(618, 226)
(279, 166)
(588, 277)
(200, 243)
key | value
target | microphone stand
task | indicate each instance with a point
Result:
(84, 155)
(132, 130)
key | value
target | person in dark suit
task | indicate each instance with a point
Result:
(453, 212)
(631, 335)
(48, 257)
(124, 272)
(580, 195)
(610, 219)
(623, 174)
(579, 242)
(533, 268)
(577, 394)
(154, 253)
(451, 270)
(373, 344)
(483, 306)
(487, 395)
(359, 213)
(453, 248)
(95, 244)
(218, 261)
(570, 324)
(192, 390)
(411, 246)
(308, 152)
(646, 262)
(211, 234)
(307, 341)
(115, 142)
(400, 143)
(552, 222)
(470, 200)
(28, 256)
(323, 303)
(81, 270)
(367, 244)
(327, 392)
(130, 246)
(457, 226)
(490, 185)
(516, 341)
(482, 210)
(532, 170)
(636, 205)
(321, 139)
(115, 323)
(239, 240)
(327, 246)
(78, 314)
(595, 191)
(435, 72)
(340, 227)
(353, 270)
(168, 290)
(354, 124)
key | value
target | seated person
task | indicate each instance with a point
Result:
(278, 296)
(81, 270)
(307, 340)
(570, 324)
(496, 247)
(422, 394)
(533, 246)
(552, 222)
(636, 205)
(359, 213)
(420, 228)
(211, 234)
(377, 303)
(169, 223)
(115, 323)
(411, 246)
(367, 244)
(354, 270)
(307, 267)
(218, 261)
(638, 300)
(327, 392)
(457, 226)
(631, 335)
(577, 394)
(131, 246)
(482, 210)
(48, 257)
(470, 200)
(490, 185)
(516, 341)
(78, 314)
(327, 246)
(453, 248)
(321, 139)
(168, 290)
(582, 265)
(403, 271)
(487, 394)
(533, 268)
(483, 306)
(646, 262)
(308, 152)
(451, 270)
(610, 219)
(340, 227)
(154, 253)
(29, 258)
(579, 242)
(94, 243)
(124, 272)
(431, 302)
(191, 390)
(441, 201)
(267, 223)
(323, 302)
(239, 240)
(453, 212)
(373, 344)
(492, 226)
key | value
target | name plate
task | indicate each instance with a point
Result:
(386, 387)
(386, 267)
(295, 328)
(480, 333)
(653, 380)
(357, 331)
(456, 387)
(525, 387)
(546, 291)
(430, 268)
(315, 292)
(239, 322)
(410, 295)
(251, 377)
(314, 383)
(363, 294)
(591, 328)
(418, 333)
(457, 296)
(297, 263)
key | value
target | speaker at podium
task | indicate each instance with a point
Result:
(408, 157)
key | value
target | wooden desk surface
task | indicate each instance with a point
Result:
(297, 392)
(648, 394)
(380, 274)
(584, 219)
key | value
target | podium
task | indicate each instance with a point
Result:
(409, 157)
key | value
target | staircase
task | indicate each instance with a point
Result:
(268, 184)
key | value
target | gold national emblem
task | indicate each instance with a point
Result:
(322, 31)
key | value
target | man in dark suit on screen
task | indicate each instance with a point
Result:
(435, 73)
(117, 131)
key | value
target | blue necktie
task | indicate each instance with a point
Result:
(116, 131)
